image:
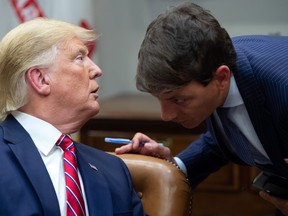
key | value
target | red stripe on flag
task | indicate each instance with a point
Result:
(30, 9)
(26, 9)
(91, 46)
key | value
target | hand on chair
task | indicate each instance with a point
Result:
(280, 204)
(150, 147)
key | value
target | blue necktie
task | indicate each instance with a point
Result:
(237, 140)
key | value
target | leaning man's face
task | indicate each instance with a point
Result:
(192, 104)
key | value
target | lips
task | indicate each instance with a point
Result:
(95, 91)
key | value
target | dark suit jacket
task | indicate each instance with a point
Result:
(262, 79)
(26, 188)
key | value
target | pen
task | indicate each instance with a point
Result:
(122, 141)
(117, 140)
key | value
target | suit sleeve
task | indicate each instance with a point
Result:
(136, 202)
(201, 158)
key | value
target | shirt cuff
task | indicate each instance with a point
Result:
(181, 165)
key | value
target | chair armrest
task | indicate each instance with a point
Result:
(163, 188)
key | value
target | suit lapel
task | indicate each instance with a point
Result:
(267, 135)
(31, 162)
(214, 129)
(96, 189)
(254, 100)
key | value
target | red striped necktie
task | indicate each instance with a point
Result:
(74, 197)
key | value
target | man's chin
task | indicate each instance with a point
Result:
(189, 125)
(94, 110)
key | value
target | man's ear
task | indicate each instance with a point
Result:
(38, 80)
(222, 76)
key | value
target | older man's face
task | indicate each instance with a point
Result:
(73, 81)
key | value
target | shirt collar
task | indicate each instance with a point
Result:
(43, 134)
(233, 98)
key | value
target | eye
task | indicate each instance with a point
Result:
(80, 57)
(178, 100)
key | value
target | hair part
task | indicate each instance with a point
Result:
(184, 44)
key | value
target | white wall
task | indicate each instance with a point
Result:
(122, 25)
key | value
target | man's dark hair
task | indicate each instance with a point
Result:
(184, 44)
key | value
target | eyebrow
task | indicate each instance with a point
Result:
(84, 50)
(74, 51)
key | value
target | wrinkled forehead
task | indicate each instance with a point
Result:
(74, 45)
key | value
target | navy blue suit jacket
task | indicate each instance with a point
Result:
(262, 79)
(26, 188)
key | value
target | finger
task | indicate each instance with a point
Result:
(124, 149)
(270, 198)
(140, 137)
(134, 147)
(277, 202)
(157, 150)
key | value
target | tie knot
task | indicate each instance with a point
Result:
(65, 142)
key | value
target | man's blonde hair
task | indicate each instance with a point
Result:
(31, 44)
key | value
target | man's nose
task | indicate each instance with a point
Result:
(167, 113)
(95, 70)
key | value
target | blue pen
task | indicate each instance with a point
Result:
(117, 140)
(122, 141)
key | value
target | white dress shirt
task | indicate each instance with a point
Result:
(239, 115)
(45, 135)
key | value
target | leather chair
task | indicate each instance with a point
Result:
(161, 185)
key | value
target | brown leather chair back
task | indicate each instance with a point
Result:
(162, 186)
